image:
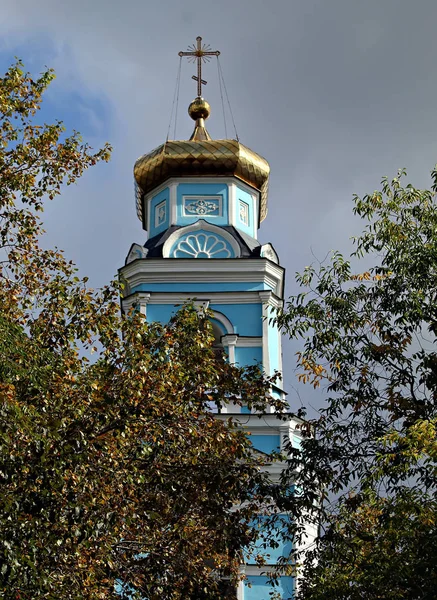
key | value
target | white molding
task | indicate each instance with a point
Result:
(188, 270)
(201, 304)
(266, 250)
(255, 224)
(140, 299)
(212, 297)
(173, 204)
(201, 224)
(230, 341)
(232, 194)
(200, 179)
(223, 319)
(156, 215)
(265, 423)
(280, 369)
(249, 342)
(265, 299)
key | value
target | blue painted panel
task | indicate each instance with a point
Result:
(266, 443)
(157, 226)
(201, 244)
(245, 410)
(202, 189)
(259, 588)
(246, 318)
(275, 544)
(248, 356)
(232, 286)
(160, 312)
(296, 441)
(240, 214)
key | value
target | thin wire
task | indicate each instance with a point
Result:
(176, 92)
(221, 96)
(227, 98)
(177, 97)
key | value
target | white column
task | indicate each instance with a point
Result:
(173, 204)
(265, 299)
(138, 301)
(230, 340)
(232, 200)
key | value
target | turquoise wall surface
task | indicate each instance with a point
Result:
(260, 589)
(266, 443)
(246, 318)
(275, 546)
(248, 356)
(202, 189)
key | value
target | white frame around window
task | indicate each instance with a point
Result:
(244, 210)
(163, 204)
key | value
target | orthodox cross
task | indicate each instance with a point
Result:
(201, 53)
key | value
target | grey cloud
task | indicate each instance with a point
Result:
(334, 94)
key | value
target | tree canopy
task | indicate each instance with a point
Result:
(367, 470)
(115, 478)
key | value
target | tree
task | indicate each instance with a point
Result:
(115, 478)
(368, 471)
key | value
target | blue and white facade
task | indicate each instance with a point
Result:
(203, 246)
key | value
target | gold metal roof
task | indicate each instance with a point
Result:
(201, 158)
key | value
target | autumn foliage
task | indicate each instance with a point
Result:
(368, 474)
(115, 478)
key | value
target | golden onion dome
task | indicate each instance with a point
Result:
(200, 156)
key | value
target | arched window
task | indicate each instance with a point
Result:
(218, 332)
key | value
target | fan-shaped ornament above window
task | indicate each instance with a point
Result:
(202, 245)
(201, 240)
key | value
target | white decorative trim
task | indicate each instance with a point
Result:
(160, 213)
(249, 342)
(265, 299)
(267, 251)
(186, 270)
(173, 203)
(202, 205)
(230, 340)
(221, 318)
(199, 225)
(201, 245)
(139, 299)
(280, 381)
(136, 251)
(244, 212)
(200, 305)
(232, 200)
(218, 297)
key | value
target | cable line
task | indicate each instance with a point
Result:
(227, 98)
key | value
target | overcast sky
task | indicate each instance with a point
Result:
(334, 93)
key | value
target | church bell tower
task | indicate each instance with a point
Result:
(201, 202)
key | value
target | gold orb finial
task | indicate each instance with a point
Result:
(199, 109)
